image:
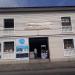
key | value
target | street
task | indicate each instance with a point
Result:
(70, 71)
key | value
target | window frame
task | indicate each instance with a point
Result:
(8, 51)
(66, 24)
(12, 22)
(69, 46)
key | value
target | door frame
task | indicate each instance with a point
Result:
(47, 43)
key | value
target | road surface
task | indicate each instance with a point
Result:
(70, 71)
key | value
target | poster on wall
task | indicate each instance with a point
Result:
(22, 49)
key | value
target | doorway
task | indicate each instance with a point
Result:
(39, 48)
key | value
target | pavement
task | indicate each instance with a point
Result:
(22, 66)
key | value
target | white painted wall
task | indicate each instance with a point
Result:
(47, 23)
(41, 24)
(57, 51)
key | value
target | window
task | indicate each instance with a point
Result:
(68, 43)
(0, 47)
(0, 50)
(66, 24)
(8, 23)
(9, 46)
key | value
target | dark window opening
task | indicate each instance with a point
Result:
(39, 48)
(0, 47)
(68, 43)
(66, 24)
(0, 50)
(9, 46)
(8, 23)
(66, 21)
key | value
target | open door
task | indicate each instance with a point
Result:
(39, 48)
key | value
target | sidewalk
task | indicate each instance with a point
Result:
(35, 66)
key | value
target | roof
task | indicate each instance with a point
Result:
(36, 3)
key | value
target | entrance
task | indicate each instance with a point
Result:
(39, 48)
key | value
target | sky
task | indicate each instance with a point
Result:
(36, 3)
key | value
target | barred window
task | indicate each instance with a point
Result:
(9, 46)
(66, 24)
(8, 23)
(68, 43)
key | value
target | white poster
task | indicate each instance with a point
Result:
(22, 48)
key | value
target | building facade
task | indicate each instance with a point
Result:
(34, 34)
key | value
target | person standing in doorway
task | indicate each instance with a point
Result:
(35, 52)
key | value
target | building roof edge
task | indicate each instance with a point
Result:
(36, 9)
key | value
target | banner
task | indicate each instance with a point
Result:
(22, 48)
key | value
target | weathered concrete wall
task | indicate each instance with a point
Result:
(41, 24)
